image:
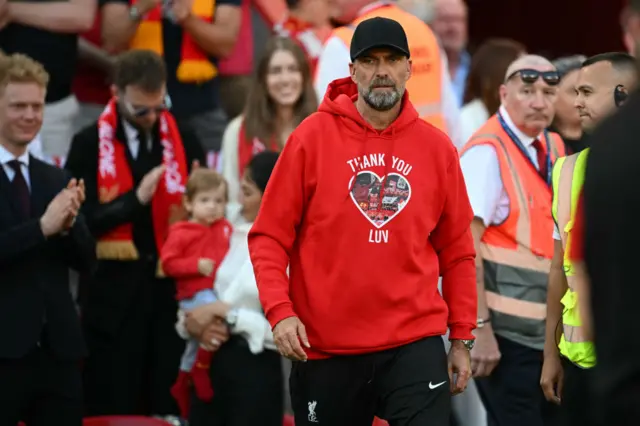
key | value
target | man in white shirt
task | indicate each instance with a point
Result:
(334, 62)
(506, 166)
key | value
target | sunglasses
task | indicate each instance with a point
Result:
(530, 76)
(139, 111)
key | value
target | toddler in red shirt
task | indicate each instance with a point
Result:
(191, 255)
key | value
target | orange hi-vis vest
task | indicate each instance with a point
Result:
(517, 253)
(425, 84)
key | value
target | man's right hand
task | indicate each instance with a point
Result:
(552, 378)
(288, 334)
(485, 354)
(5, 17)
(149, 184)
(60, 210)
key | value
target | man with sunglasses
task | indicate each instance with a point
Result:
(135, 162)
(507, 169)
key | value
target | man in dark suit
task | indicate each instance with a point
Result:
(41, 237)
(135, 163)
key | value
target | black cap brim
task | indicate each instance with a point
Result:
(380, 46)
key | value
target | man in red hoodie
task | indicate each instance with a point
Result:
(361, 307)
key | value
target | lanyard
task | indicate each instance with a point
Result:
(525, 152)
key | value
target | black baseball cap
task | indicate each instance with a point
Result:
(378, 32)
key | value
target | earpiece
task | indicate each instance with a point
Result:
(620, 95)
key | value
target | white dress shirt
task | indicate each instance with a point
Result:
(6, 156)
(133, 139)
(334, 64)
(481, 170)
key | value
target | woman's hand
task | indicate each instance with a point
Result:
(214, 335)
(196, 320)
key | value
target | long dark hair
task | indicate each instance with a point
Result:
(260, 110)
(488, 66)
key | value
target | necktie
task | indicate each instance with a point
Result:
(143, 149)
(542, 158)
(21, 189)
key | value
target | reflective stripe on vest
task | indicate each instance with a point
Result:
(516, 256)
(425, 84)
(568, 178)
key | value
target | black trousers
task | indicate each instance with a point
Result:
(131, 371)
(576, 396)
(512, 394)
(407, 386)
(40, 389)
(248, 388)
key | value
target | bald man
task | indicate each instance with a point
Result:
(507, 166)
(450, 22)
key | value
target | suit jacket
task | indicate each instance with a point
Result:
(34, 270)
(107, 297)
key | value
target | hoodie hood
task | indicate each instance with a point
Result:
(340, 101)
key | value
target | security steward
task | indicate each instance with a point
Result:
(569, 353)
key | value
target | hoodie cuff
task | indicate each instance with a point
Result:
(280, 312)
(461, 332)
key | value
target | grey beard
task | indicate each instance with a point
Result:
(380, 101)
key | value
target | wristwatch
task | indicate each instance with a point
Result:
(232, 317)
(468, 344)
(134, 13)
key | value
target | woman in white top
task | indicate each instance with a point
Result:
(280, 98)
(246, 370)
(488, 67)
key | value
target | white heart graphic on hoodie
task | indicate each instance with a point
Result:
(378, 208)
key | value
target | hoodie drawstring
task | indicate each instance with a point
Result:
(387, 164)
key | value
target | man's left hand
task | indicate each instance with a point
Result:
(77, 187)
(5, 17)
(459, 363)
(181, 10)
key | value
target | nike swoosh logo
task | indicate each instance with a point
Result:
(432, 386)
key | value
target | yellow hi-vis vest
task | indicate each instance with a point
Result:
(568, 178)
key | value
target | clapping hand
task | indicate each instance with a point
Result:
(78, 189)
(63, 209)
(181, 9)
(5, 17)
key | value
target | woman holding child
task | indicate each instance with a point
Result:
(245, 369)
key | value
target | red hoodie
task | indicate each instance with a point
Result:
(186, 244)
(364, 265)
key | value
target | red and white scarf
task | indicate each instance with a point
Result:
(247, 149)
(115, 179)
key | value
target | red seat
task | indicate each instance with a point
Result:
(123, 421)
(288, 421)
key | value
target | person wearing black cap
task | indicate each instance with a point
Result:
(431, 89)
(367, 207)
